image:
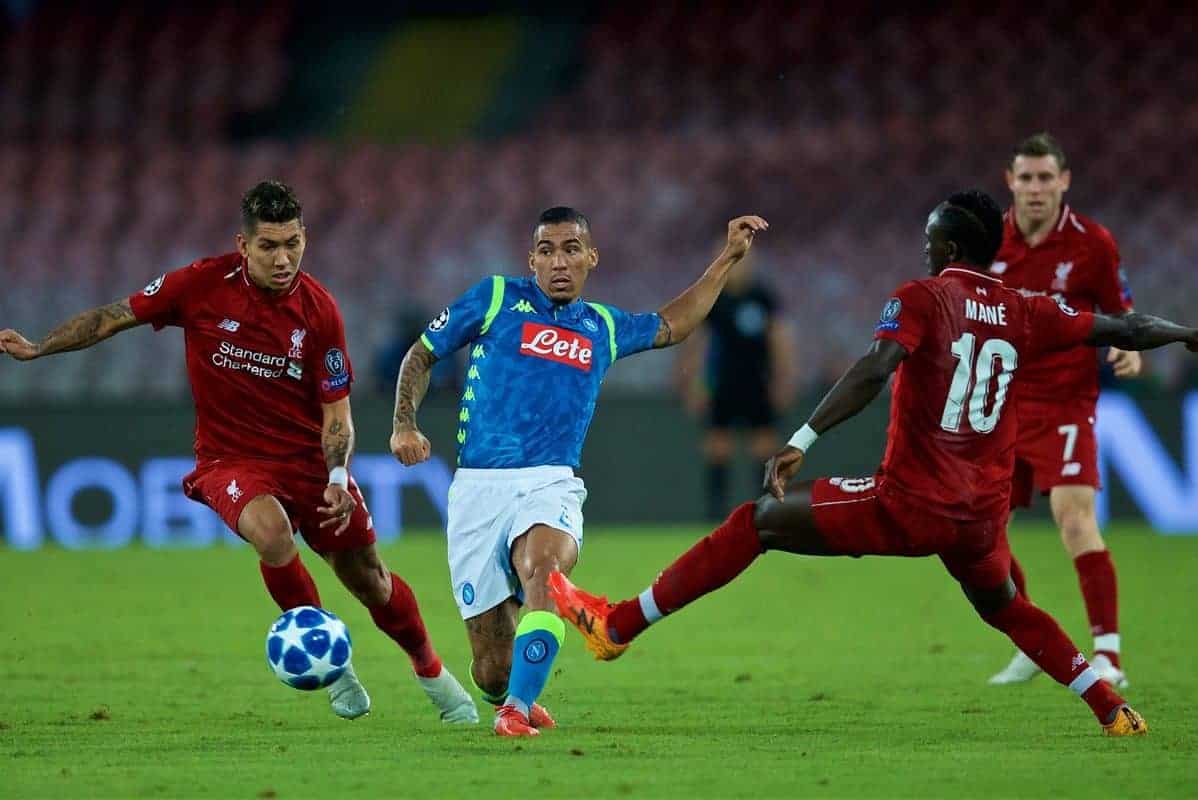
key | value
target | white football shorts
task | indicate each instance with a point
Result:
(488, 510)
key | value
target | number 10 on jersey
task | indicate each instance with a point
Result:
(980, 375)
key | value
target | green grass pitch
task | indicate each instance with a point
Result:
(141, 673)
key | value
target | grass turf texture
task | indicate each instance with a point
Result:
(141, 673)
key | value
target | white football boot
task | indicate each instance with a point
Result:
(1108, 672)
(1020, 670)
(455, 703)
(348, 696)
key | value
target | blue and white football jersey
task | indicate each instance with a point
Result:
(535, 369)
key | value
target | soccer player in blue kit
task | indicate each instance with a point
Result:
(538, 354)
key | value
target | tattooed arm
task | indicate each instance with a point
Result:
(684, 313)
(337, 441)
(77, 333)
(337, 433)
(408, 444)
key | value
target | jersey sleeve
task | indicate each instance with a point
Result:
(1054, 326)
(162, 302)
(466, 318)
(1111, 291)
(334, 373)
(905, 317)
(628, 333)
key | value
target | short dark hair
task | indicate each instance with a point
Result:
(559, 214)
(1040, 144)
(269, 201)
(974, 221)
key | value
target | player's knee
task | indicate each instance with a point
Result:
(989, 602)
(271, 536)
(1079, 529)
(765, 512)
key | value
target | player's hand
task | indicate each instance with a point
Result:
(339, 507)
(1127, 363)
(781, 469)
(741, 232)
(17, 346)
(410, 447)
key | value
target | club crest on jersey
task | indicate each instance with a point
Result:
(555, 344)
(297, 343)
(1061, 282)
(439, 321)
(153, 286)
(590, 325)
(890, 314)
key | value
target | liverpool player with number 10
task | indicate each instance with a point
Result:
(954, 342)
(271, 379)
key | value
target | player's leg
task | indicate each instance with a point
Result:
(393, 607)
(708, 565)
(265, 525)
(719, 445)
(535, 554)
(985, 579)
(1074, 512)
(491, 634)
(1020, 668)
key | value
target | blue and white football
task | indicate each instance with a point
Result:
(308, 648)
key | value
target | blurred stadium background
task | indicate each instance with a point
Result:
(423, 143)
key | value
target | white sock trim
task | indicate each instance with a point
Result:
(1108, 642)
(1084, 681)
(649, 606)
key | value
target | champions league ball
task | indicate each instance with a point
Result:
(308, 648)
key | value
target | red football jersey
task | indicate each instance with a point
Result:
(260, 365)
(1078, 264)
(951, 441)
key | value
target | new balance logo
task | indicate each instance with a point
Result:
(524, 307)
(234, 491)
(230, 325)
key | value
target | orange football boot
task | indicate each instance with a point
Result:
(510, 722)
(1127, 722)
(588, 614)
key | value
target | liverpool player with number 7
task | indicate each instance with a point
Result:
(538, 354)
(954, 342)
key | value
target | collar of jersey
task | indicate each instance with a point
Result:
(263, 294)
(964, 269)
(1058, 226)
(542, 303)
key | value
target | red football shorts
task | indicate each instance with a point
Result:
(227, 486)
(1055, 446)
(857, 518)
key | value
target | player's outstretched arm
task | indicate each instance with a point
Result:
(77, 333)
(408, 444)
(684, 313)
(855, 390)
(1136, 331)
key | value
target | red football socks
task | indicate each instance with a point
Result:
(1096, 574)
(400, 619)
(1039, 636)
(290, 585)
(1017, 577)
(712, 562)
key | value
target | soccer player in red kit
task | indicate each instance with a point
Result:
(271, 378)
(955, 341)
(1050, 249)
